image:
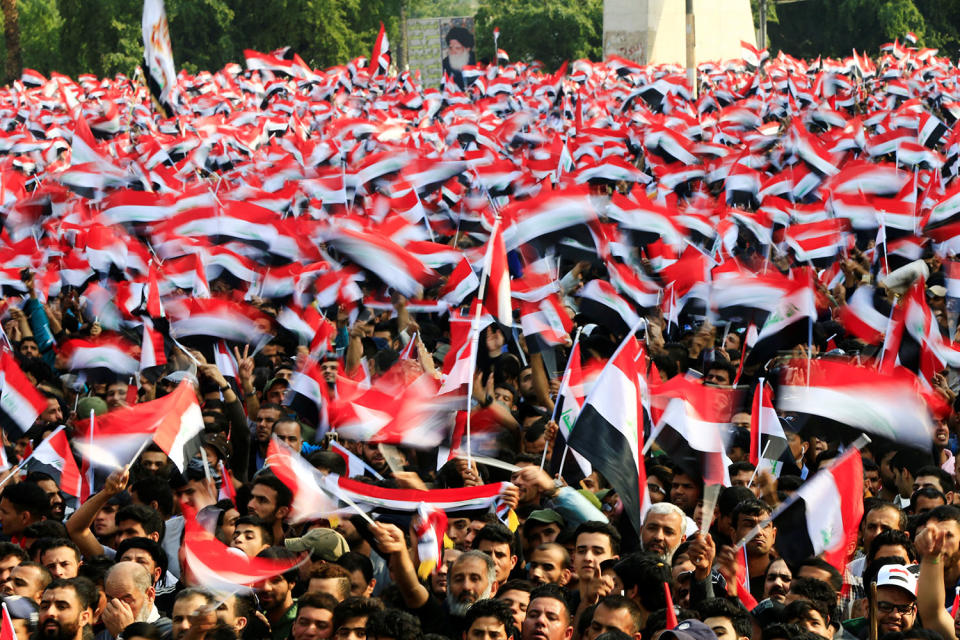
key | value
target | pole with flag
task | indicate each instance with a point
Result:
(160, 73)
(475, 324)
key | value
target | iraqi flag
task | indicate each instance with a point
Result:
(787, 325)
(373, 497)
(431, 526)
(571, 397)
(221, 568)
(307, 396)
(310, 500)
(496, 296)
(380, 59)
(20, 402)
(55, 452)
(866, 314)
(151, 349)
(104, 353)
(767, 438)
(600, 302)
(173, 422)
(691, 430)
(461, 283)
(825, 518)
(609, 430)
(882, 403)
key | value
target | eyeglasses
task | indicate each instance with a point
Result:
(889, 607)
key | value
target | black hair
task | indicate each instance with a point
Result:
(497, 609)
(595, 526)
(394, 624)
(8, 549)
(282, 553)
(284, 495)
(641, 569)
(157, 554)
(142, 630)
(836, 580)
(942, 513)
(354, 607)
(497, 533)
(27, 496)
(45, 529)
(149, 519)
(41, 546)
(517, 584)
(266, 531)
(872, 504)
(946, 480)
(317, 600)
(911, 460)
(154, 489)
(86, 591)
(353, 561)
(813, 589)
(743, 465)
(553, 592)
(891, 537)
(615, 602)
(800, 609)
(723, 608)
(751, 507)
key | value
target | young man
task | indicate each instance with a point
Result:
(66, 608)
(350, 617)
(548, 616)
(314, 619)
(615, 613)
(27, 579)
(251, 535)
(276, 595)
(489, 620)
(59, 556)
(270, 501)
(746, 516)
(549, 564)
(727, 621)
(21, 504)
(594, 542)
(497, 541)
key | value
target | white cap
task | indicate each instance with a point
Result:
(897, 575)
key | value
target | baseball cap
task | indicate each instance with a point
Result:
(937, 290)
(689, 630)
(897, 575)
(544, 516)
(326, 543)
(94, 403)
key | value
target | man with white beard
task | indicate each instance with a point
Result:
(130, 594)
(459, 54)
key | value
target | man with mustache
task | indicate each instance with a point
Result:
(66, 608)
(459, 54)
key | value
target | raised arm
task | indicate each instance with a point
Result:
(78, 525)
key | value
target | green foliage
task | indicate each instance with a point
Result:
(836, 27)
(551, 32)
(439, 8)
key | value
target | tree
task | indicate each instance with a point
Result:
(11, 34)
(551, 32)
(836, 27)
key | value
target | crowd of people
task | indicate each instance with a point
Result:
(301, 249)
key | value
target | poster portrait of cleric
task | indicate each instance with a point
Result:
(459, 53)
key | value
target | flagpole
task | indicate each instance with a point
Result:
(475, 331)
(858, 444)
(763, 456)
(564, 383)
